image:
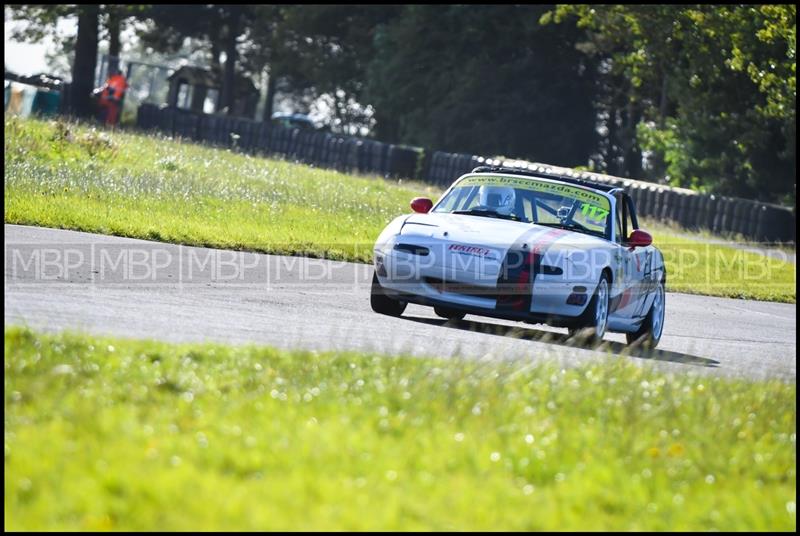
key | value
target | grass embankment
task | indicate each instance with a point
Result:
(105, 433)
(67, 176)
(696, 266)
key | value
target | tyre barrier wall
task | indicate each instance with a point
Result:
(755, 220)
(762, 222)
(343, 153)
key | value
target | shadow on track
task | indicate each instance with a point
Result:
(531, 334)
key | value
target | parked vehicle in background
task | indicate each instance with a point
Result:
(291, 120)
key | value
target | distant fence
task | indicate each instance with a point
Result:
(343, 153)
(763, 222)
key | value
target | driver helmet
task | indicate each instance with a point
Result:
(498, 198)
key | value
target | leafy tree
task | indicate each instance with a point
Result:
(715, 86)
(260, 45)
(483, 79)
(632, 75)
(42, 21)
(216, 27)
(326, 50)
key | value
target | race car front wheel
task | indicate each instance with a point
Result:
(595, 318)
(383, 304)
(649, 333)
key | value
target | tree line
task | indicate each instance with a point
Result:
(696, 96)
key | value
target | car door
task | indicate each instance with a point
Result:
(642, 263)
(632, 263)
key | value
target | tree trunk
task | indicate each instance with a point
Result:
(632, 154)
(662, 106)
(229, 80)
(339, 125)
(216, 70)
(269, 103)
(612, 154)
(114, 23)
(85, 61)
(216, 66)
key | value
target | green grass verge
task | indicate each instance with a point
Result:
(695, 266)
(69, 176)
(704, 235)
(105, 433)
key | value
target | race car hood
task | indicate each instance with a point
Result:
(495, 234)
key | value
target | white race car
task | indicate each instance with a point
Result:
(524, 245)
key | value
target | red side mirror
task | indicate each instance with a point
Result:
(639, 239)
(422, 205)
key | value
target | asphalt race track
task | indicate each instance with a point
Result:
(56, 280)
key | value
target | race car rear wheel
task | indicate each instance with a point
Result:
(649, 333)
(383, 304)
(450, 314)
(595, 318)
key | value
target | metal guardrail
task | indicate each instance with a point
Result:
(762, 222)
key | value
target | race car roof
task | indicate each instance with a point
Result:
(531, 173)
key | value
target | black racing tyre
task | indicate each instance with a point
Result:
(649, 333)
(450, 314)
(595, 318)
(383, 304)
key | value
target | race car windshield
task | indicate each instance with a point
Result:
(531, 200)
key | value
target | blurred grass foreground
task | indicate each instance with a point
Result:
(112, 434)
